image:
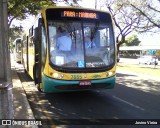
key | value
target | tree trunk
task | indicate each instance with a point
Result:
(119, 43)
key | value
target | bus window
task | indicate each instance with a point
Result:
(97, 55)
(18, 47)
(43, 46)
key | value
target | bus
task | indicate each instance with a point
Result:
(67, 64)
(17, 50)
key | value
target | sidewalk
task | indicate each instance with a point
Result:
(21, 105)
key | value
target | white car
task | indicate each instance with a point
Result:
(148, 60)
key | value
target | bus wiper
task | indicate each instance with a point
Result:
(93, 33)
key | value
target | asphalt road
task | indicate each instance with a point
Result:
(131, 61)
(135, 96)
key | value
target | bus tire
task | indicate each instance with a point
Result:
(38, 87)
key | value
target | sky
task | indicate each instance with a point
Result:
(150, 38)
(145, 38)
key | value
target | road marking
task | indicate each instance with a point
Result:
(124, 101)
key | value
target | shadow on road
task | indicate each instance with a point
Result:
(140, 83)
(99, 104)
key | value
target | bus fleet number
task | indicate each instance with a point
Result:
(75, 77)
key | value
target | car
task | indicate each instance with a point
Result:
(148, 60)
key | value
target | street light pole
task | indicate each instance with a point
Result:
(6, 97)
(95, 4)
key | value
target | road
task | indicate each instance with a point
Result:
(134, 97)
(131, 61)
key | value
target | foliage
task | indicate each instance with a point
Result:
(20, 9)
(125, 17)
(130, 16)
(132, 41)
(158, 53)
(14, 33)
(151, 12)
(67, 2)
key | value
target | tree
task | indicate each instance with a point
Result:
(20, 9)
(68, 2)
(157, 53)
(126, 19)
(152, 14)
(14, 33)
(132, 41)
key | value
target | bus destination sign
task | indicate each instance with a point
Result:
(79, 14)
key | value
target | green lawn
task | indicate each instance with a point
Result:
(143, 69)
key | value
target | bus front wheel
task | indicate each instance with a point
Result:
(38, 87)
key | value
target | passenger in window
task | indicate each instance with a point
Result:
(64, 41)
(89, 43)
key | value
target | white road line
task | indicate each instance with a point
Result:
(135, 106)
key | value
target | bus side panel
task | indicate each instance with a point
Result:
(31, 56)
(25, 53)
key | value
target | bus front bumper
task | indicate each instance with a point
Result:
(55, 85)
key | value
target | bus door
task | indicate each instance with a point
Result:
(37, 68)
(27, 60)
(25, 53)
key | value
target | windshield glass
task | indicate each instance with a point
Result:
(18, 47)
(76, 44)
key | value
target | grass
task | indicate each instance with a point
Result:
(143, 69)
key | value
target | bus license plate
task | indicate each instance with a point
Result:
(85, 83)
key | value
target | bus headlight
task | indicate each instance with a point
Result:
(55, 75)
(110, 73)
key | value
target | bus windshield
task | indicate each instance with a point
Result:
(81, 44)
(17, 44)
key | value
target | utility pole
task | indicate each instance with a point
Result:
(95, 4)
(6, 97)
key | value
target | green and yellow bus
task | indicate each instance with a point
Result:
(67, 64)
